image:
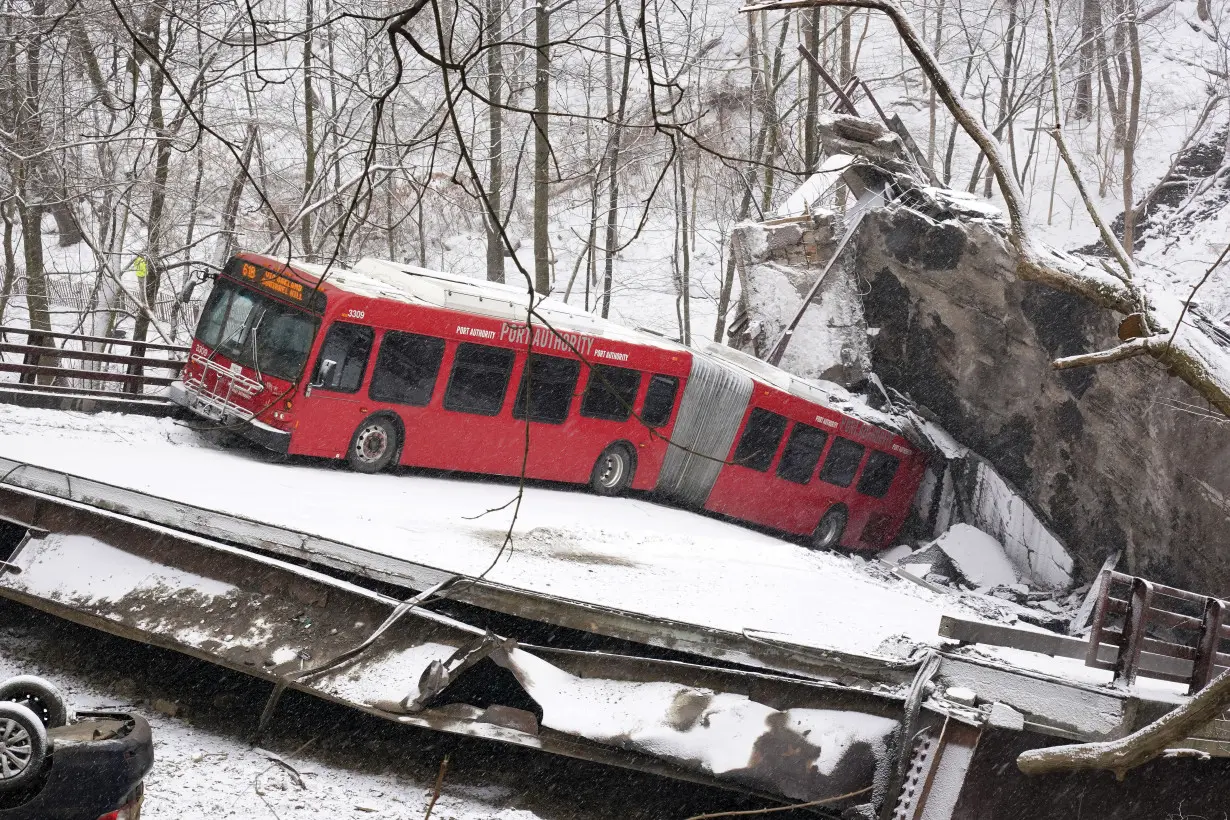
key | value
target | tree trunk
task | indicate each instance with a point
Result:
(309, 135)
(148, 289)
(10, 262)
(1130, 132)
(228, 241)
(29, 201)
(542, 149)
(612, 166)
(495, 117)
(1005, 82)
(684, 279)
(1082, 102)
(932, 108)
(37, 303)
(811, 139)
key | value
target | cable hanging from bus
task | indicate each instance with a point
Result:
(386, 364)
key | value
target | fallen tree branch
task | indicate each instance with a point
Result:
(1141, 746)
(435, 792)
(1127, 350)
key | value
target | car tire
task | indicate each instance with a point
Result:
(373, 446)
(39, 696)
(23, 747)
(613, 471)
(832, 527)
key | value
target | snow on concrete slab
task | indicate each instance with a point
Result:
(110, 573)
(894, 555)
(1031, 547)
(626, 553)
(977, 556)
(722, 733)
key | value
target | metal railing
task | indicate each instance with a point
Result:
(40, 363)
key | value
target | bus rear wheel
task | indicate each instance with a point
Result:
(831, 528)
(374, 445)
(614, 470)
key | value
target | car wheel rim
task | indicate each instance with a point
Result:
(612, 470)
(371, 444)
(16, 749)
(37, 706)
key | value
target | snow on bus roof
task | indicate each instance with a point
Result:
(383, 279)
(829, 394)
(411, 284)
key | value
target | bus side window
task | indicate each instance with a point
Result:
(802, 453)
(842, 462)
(878, 475)
(479, 379)
(406, 368)
(550, 382)
(343, 357)
(659, 400)
(611, 392)
(760, 438)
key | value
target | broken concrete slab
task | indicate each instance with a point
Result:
(978, 557)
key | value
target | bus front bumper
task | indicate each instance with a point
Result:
(254, 431)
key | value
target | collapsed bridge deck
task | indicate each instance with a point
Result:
(291, 605)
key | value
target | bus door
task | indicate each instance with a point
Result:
(332, 405)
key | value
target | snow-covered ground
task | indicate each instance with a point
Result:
(630, 553)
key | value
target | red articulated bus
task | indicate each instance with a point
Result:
(384, 363)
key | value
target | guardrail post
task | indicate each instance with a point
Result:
(1134, 625)
(1207, 648)
(1099, 621)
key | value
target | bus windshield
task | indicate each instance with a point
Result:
(256, 331)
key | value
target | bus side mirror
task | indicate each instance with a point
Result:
(324, 373)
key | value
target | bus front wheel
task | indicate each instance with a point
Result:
(614, 470)
(831, 528)
(374, 445)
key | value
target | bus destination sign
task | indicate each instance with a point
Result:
(267, 279)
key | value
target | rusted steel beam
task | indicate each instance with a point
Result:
(936, 778)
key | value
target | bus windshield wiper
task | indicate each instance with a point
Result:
(256, 364)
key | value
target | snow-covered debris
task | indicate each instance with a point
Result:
(962, 486)
(977, 556)
(963, 204)
(833, 752)
(779, 262)
(894, 555)
(996, 508)
(807, 197)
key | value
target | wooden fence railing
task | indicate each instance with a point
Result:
(1142, 620)
(99, 372)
